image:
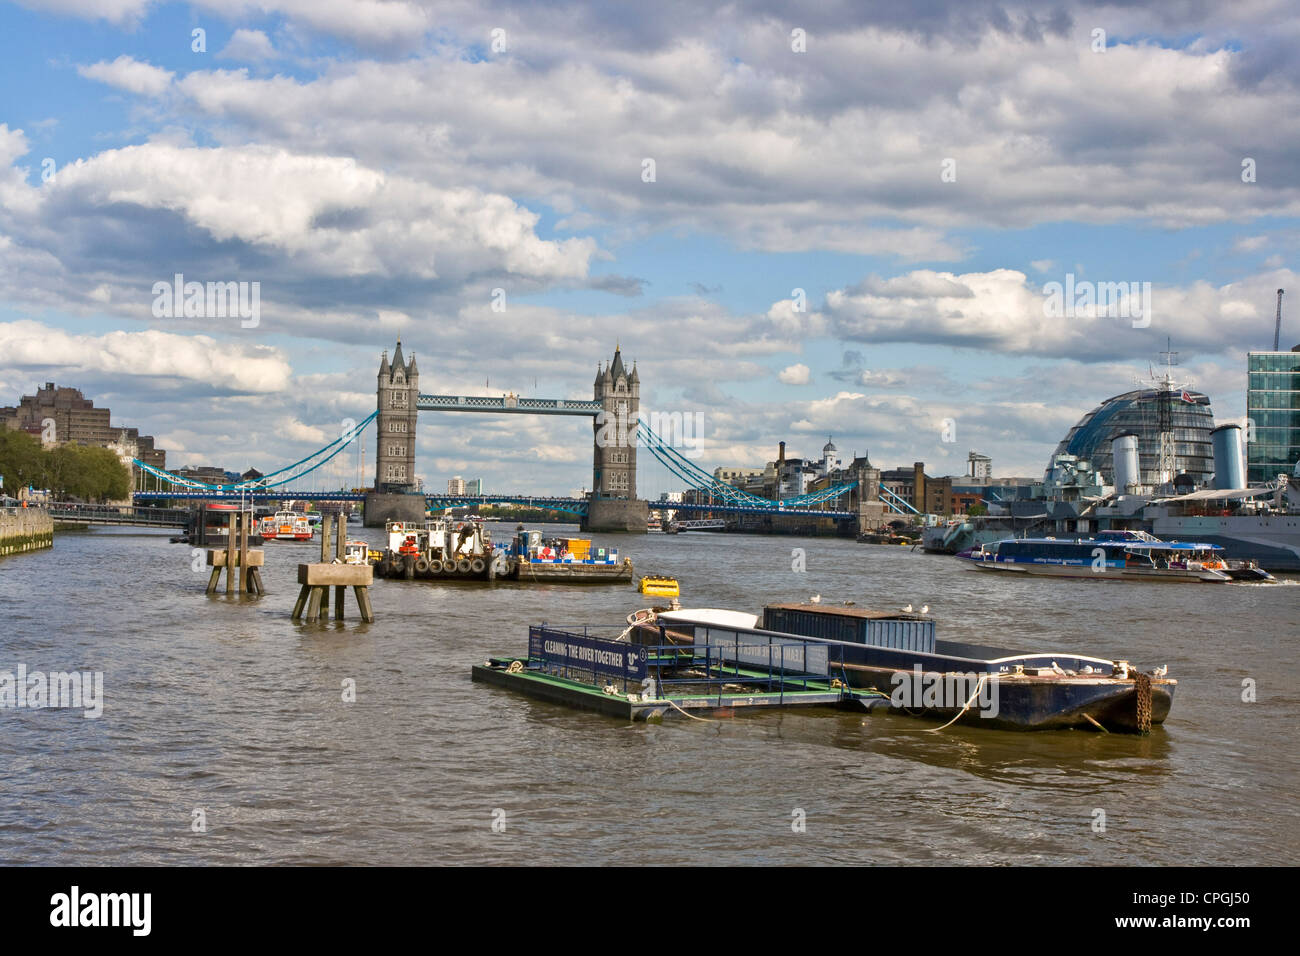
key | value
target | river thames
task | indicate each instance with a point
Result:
(223, 711)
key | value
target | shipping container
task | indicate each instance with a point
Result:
(858, 626)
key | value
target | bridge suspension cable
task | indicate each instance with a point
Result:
(696, 476)
(895, 503)
(262, 483)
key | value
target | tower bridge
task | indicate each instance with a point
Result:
(613, 409)
(617, 432)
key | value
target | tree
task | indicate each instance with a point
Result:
(70, 471)
(107, 477)
(92, 474)
(21, 460)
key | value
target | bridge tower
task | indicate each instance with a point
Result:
(614, 452)
(396, 395)
(395, 495)
(613, 504)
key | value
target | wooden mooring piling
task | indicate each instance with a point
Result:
(237, 554)
(317, 579)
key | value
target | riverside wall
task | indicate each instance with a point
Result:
(25, 529)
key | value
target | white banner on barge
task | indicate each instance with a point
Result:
(763, 652)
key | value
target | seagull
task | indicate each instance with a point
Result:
(907, 610)
(925, 609)
(1088, 668)
(1057, 668)
(1160, 671)
(816, 599)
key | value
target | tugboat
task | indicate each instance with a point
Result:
(439, 550)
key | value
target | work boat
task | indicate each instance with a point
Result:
(564, 560)
(898, 654)
(440, 548)
(1114, 555)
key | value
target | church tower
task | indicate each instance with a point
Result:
(614, 455)
(395, 426)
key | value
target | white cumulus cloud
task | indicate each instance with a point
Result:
(247, 46)
(26, 344)
(130, 74)
(797, 374)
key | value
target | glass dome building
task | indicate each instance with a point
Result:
(1190, 421)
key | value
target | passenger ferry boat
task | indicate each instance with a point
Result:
(287, 526)
(1114, 555)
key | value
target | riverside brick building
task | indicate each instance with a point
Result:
(61, 416)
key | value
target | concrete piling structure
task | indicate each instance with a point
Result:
(317, 579)
(237, 554)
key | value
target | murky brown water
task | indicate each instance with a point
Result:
(227, 706)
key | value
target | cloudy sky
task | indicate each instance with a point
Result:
(836, 219)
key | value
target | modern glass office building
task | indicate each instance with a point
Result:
(1273, 408)
(1190, 419)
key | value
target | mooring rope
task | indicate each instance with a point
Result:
(673, 704)
(934, 730)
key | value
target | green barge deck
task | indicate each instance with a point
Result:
(737, 688)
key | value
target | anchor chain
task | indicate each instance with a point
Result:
(1143, 703)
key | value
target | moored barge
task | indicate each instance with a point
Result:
(899, 655)
(648, 681)
(533, 558)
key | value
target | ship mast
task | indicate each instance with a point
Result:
(1166, 389)
(1277, 327)
(1166, 465)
